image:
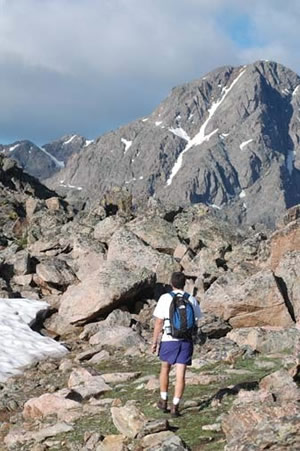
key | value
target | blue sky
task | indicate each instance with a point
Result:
(239, 28)
(87, 67)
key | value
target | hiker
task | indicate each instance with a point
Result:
(172, 350)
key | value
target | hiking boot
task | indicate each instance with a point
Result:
(175, 410)
(163, 405)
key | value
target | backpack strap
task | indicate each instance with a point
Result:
(185, 295)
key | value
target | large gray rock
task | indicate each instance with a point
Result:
(117, 336)
(157, 232)
(125, 246)
(103, 291)
(55, 272)
(107, 227)
(88, 256)
(266, 340)
(87, 385)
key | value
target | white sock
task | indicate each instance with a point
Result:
(176, 401)
(164, 395)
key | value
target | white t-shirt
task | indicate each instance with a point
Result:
(161, 311)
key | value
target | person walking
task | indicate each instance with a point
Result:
(172, 351)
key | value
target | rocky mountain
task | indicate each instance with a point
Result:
(95, 275)
(229, 139)
(42, 162)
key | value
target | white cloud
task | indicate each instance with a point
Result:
(87, 66)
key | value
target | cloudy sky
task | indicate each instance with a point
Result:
(89, 66)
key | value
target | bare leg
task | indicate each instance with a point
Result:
(164, 376)
(180, 380)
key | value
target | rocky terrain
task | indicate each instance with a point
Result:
(101, 269)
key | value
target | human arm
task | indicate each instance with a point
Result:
(158, 325)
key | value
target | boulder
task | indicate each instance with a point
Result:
(32, 205)
(129, 420)
(157, 232)
(212, 327)
(53, 203)
(203, 265)
(55, 272)
(256, 301)
(125, 246)
(117, 317)
(103, 291)
(282, 241)
(120, 378)
(104, 229)
(117, 200)
(163, 441)
(87, 385)
(24, 280)
(21, 263)
(262, 426)
(113, 443)
(266, 340)
(117, 336)
(48, 404)
(88, 256)
(180, 251)
(16, 436)
(281, 385)
(58, 325)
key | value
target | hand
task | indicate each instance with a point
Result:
(154, 347)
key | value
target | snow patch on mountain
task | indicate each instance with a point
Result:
(79, 188)
(58, 163)
(180, 132)
(12, 148)
(223, 135)
(126, 143)
(201, 137)
(245, 143)
(69, 140)
(290, 158)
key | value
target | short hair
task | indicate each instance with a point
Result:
(178, 280)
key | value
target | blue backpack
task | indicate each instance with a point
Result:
(182, 317)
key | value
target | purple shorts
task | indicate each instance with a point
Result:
(176, 352)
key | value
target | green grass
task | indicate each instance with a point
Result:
(189, 425)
